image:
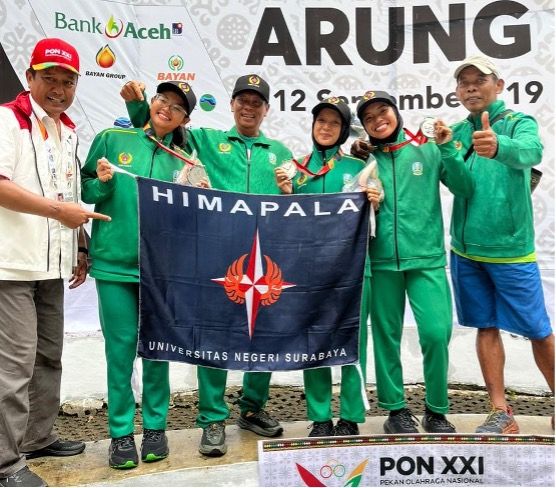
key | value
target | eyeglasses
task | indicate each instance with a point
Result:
(174, 107)
(255, 102)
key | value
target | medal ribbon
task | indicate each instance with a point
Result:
(174, 150)
(419, 138)
(302, 167)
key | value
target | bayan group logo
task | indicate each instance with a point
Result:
(105, 57)
(112, 29)
(332, 469)
(253, 286)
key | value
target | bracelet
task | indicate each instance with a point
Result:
(83, 249)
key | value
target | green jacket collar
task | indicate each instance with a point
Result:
(166, 140)
(233, 134)
(494, 109)
(329, 153)
(400, 138)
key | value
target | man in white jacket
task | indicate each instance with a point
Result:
(40, 245)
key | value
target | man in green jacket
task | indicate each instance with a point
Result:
(242, 159)
(496, 279)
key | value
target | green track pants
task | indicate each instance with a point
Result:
(429, 296)
(118, 310)
(212, 387)
(318, 381)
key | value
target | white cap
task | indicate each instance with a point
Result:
(483, 64)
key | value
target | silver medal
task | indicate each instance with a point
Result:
(290, 169)
(427, 127)
(195, 174)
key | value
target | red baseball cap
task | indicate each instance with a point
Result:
(51, 52)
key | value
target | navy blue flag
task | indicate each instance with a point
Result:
(250, 282)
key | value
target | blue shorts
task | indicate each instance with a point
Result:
(505, 296)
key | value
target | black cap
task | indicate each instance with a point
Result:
(340, 106)
(334, 103)
(181, 88)
(254, 83)
(373, 96)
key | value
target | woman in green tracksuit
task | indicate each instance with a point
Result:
(408, 257)
(114, 253)
(327, 171)
(241, 159)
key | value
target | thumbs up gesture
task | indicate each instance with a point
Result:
(485, 141)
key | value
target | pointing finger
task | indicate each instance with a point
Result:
(138, 90)
(98, 216)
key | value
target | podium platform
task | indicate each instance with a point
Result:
(186, 467)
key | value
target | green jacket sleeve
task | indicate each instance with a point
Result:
(194, 141)
(92, 189)
(138, 111)
(522, 148)
(454, 173)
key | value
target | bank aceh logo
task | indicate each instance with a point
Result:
(252, 287)
(112, 29)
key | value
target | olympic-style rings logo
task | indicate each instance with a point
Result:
(332, 468)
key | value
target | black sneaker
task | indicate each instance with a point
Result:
(122, 453)
(154, 446)
(401, 422)
(436, 423)
(213, 441)
(23, 477)
(346, 427)
(58, 448)
(322, 429)
(261, 423)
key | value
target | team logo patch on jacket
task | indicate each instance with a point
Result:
(125, 158)
(417, 168)
(271, 158)
(224, 147)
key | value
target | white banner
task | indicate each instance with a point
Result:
(306, 51)
(422, 459)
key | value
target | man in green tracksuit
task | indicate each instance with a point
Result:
(497, 284)
(327, 170)
(408, 257)
(115, 265)
(243, 160)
